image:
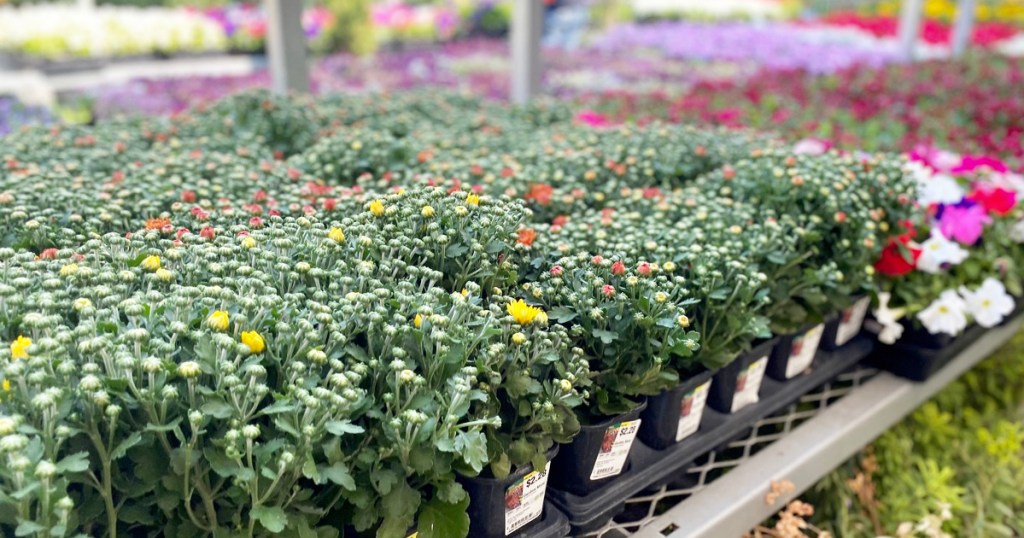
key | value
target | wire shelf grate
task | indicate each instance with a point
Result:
(645, 507)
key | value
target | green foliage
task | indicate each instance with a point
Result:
(353, 29)
(964, 449)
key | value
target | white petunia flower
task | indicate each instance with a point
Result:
(938, 189)
(989, 304)
(947, 314)
(889, 319)
(937, 251)
(1007, 180)
(810, 146)
(1017, 232)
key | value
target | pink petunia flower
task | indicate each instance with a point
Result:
(963, 223)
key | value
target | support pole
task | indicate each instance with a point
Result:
(910, 27)
(525, 41)
(963, 26)
(286, 46)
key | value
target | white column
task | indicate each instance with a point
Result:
(524, 39)
(910, 27)
(963, 26)
(286, 46)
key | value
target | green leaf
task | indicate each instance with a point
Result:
(399, 508)
(280, 406)
(75, 463)
(338, 473)
(562, 314)
(27, 528)
(217, 409)
(272, 518)
(606, 336)
(165, 428)
(472, 446)
(341, 427)
(121, 449)
(384, 479)
(310, 470)
(443, 520)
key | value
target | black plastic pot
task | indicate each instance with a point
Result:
(794, 353)
(917, 355)
(844, 327)
(743, 376)
(507, 506)
(675, 414)
(597, 455)
(650, 468)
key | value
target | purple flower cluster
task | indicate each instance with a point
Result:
(14, 114)
(477, 66)
(768, 45)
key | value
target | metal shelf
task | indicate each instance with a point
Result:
(723, 493)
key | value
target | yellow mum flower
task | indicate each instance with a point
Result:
(248, 242)
(7, 385)
(377, 208)
(69, 269)
(19, 347)
(427, 211)
(417, 321)
(523, 313)
(472, 199)
(336, 235)
(151, 263)
(218, 320)
(254, 341)
(164, 274)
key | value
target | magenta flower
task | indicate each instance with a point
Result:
(971, 163)
(963, 222)
(593, 119)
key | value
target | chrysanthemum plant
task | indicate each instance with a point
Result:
(630, 323)
(837, 209)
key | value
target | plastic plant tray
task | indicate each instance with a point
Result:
(553, 524)
(649, 467)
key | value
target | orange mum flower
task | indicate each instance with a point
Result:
(526, 236)
(157, 224)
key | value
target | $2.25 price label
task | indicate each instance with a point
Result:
(615, 445)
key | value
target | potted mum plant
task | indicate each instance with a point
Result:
(629, 324)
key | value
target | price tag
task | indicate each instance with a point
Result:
(748, 384)
(524, 500)
(615, 449)
(691, 409)
(851, 321)
(801, 353)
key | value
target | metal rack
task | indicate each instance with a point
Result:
(723, 493)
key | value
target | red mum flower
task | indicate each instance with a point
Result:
(540, 193)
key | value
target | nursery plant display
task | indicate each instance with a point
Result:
(59, 32)
(294, 315)
(967, 106)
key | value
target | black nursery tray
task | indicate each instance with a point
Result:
(553, 524)
(917, 362)
(649, 467)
